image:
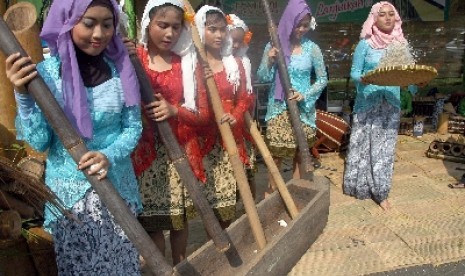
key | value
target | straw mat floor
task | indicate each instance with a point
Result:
(425, 226)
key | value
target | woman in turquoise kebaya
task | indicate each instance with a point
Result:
(302, 57)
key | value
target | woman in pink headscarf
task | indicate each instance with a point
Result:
(370, 159)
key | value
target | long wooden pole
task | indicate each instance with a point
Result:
(230, 144)
(77, 148)
(306, 166)
(271, 165)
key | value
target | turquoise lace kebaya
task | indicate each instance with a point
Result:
(366, 59)
(300, 68)
(117, 129)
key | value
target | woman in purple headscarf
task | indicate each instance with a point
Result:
(302, 56)
(91, 77)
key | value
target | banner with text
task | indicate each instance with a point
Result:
(326, 11)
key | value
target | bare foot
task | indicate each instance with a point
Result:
(385, 205)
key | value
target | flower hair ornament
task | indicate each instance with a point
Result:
(229, 62)
(183, 48)
(247, 37)
(188, 17)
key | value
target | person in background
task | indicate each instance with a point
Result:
(92, 79)
(302, 56)
(241, 37)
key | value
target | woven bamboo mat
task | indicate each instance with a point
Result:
(425, 226)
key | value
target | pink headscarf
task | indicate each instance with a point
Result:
(376, 38)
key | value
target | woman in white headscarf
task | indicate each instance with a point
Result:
(241, 36)
(168, 58)
(230, 79)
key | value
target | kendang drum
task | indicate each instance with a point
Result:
(332, 133)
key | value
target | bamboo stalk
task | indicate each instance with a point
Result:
(230, 144)
(271, 165)
(77, 148)
(306, 166)
(21, 18)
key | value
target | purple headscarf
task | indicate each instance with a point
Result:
(293, 13)
(61, 19)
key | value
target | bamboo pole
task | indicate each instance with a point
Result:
(77, 148)
(7, 103)
(306, 163)
(271, 165)
(230, 144)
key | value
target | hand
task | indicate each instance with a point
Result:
(228, 118)
(161, 109)
(272, 53)
(130, 45)
(296, 95)
(17, 74)
(97, 163)
(208, 73)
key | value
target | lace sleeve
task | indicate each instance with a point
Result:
(31, 125)
(320, 71)
(127, 140)
(358, 61)
(265, 74)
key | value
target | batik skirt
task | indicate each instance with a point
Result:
(92, 243)
(280, 136)
(164, 197)
(220, 188)
(370, 159)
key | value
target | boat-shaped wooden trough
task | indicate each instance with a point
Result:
(285, 245)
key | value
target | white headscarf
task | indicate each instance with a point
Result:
(183, 48)
(229, 62)
(242, 52)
